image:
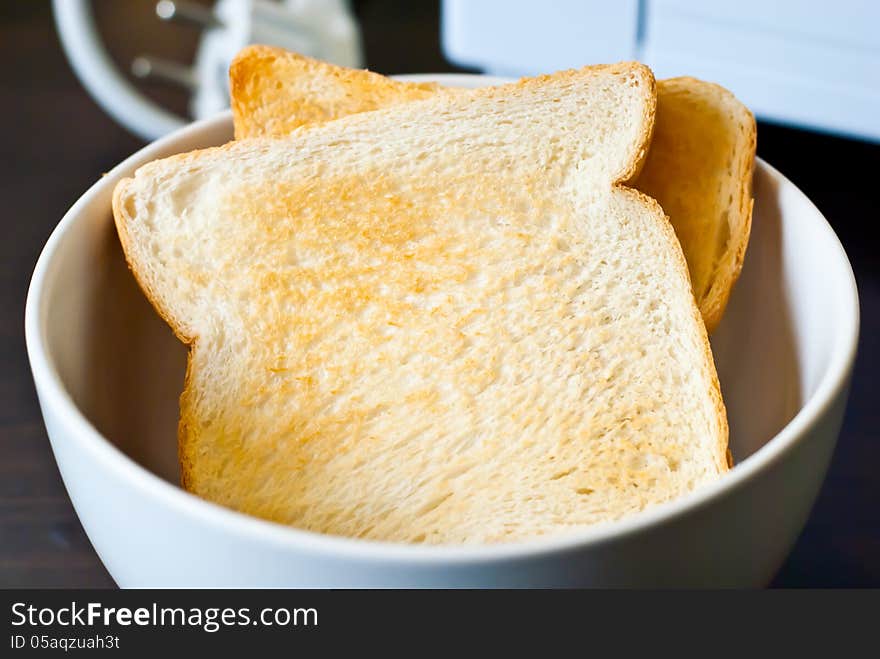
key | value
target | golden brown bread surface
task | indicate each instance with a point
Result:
(260, 75)
(439, 322)
(699, 166)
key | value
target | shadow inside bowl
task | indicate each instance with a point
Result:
(137, 367)
(755, 343)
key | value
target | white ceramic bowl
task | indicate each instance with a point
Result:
(108, 373)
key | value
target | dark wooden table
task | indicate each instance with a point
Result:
(56, 142)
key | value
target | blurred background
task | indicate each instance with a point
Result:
(135, 69)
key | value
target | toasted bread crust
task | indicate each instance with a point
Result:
(724, 458)
(121, 219)
(700, 170)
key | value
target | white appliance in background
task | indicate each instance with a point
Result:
(811, 63)
(325, 29)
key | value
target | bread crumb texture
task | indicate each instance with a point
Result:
(699, 166)
(436, 323)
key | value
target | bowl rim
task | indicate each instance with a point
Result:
(54, 396)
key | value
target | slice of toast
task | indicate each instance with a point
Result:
(699, 165)
(441, 322)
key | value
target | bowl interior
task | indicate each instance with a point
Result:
(124, 368)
